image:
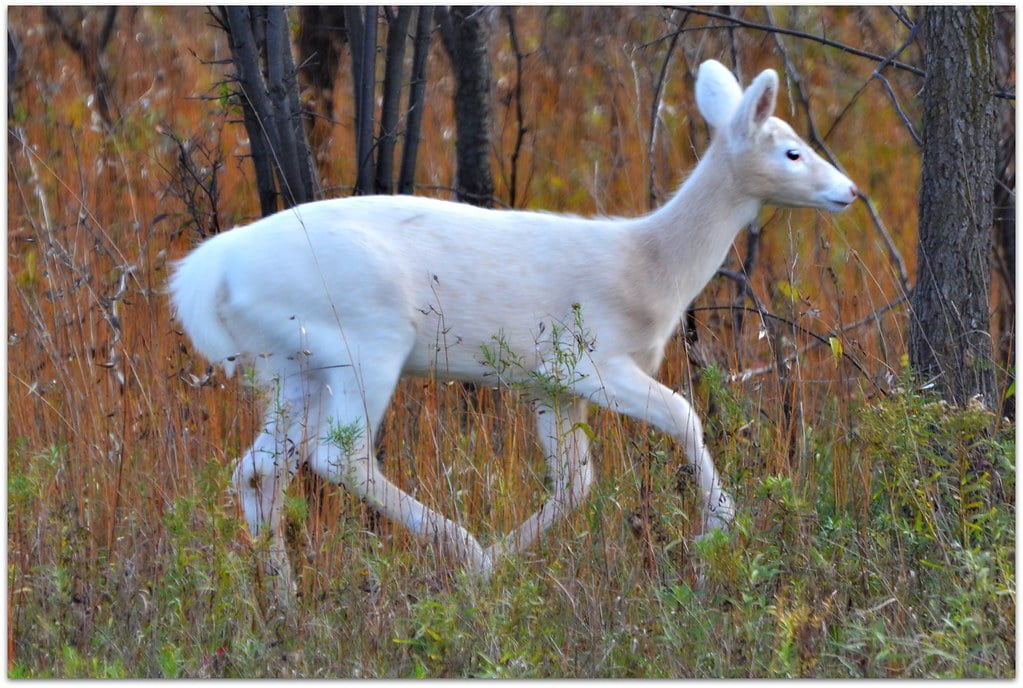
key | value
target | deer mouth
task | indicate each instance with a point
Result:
(837, 205)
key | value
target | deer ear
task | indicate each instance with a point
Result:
(717, 93)
(757, 104)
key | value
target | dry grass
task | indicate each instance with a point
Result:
(875, 536)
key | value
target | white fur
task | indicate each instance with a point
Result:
(717, 93)
(333, 301)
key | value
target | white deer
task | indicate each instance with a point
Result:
(332, 302)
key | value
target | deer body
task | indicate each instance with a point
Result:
(333, 301)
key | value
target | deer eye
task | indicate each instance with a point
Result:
(792, 154)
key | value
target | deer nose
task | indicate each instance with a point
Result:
(854, 193)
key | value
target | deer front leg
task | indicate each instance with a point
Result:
(621, 385)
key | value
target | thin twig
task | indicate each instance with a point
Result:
(33, 157)
(796, 326)
(802, 34)
(898, 107)
(753, 238)
(902, 17)
(767, 321)
(522, 130)
(817, 341)
(888, 87)
(655, 109)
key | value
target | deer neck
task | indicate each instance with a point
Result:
(689, 237)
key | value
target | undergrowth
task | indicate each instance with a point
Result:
(921, 582)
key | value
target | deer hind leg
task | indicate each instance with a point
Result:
(566, 449)
(621, 386)
(352, 412)
(264, 472)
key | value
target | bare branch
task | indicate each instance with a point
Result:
(819, 339)
(108, 27)
(521, 131)
(746, 374)
(898, 108)
(655, 110)
(900, 13)
(770, 28)
(914, 30)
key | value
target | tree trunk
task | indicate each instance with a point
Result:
(362, 37)
(1005, 200)
(237, 22)
(278, 50)
(397, 35)
(260, 43)
(466, 34)
(949, 334)
(416, 100)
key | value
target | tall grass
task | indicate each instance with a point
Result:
(875, 534)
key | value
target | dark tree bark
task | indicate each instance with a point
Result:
(260, 43)
(255, 104)
(949, 330)
(278, 72)
(397, 34)
(375, 156)
(321, 40)
(466, 34)
(416, 100)
(362, 37)
(1005, 197)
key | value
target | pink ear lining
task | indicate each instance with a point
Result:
(765, 106)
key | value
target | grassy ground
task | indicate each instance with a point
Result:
(876, 526)
(915, 577)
